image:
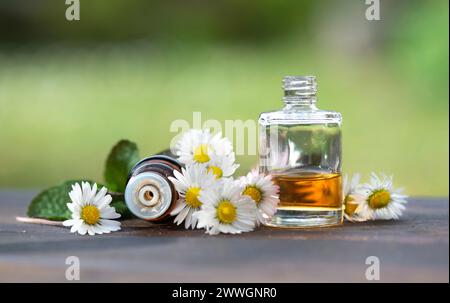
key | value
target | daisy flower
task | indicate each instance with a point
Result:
(382, 200)
(263, 192)
(197, 146)
(222, 166)
(91, 212)
(189, 184)
(225, 210)
(352, 200)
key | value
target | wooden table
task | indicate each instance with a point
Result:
(414, 249)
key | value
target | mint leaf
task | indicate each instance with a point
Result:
(51, 203)
(123, 156)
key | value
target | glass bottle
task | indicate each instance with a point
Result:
(300, 146)
(149, 193)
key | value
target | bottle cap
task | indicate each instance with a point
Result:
(300, 85)
(148, 195)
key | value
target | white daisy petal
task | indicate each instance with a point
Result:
(76, 194)
(90, 230)
(71, 206)
(194, 220)
(178, 207)
(76, 226)
(86, 188)
(103, 202)
(98, 230)
(187, 222)
(182, 215)
(109, 225)
(69, 222)
(92, 193)
(75, 197)
(109, 213)
(180, 186)
(101, 193)
(82, 229)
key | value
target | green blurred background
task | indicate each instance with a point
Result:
(127, 69)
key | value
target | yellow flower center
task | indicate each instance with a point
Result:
(201, 153)
(379, 199)
(350, 206)
(226, 212)
(253, 192)
(191, 197)
(90, 214)
(216, 171)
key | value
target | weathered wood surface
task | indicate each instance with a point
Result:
(414, 249)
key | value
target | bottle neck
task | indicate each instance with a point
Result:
(307, 102)
(300, 92)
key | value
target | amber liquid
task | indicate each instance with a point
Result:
(309, 190)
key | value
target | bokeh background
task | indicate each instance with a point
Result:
(127, 69)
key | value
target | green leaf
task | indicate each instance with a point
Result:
(51, 203)
(123, 156)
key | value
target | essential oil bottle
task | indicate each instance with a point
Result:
(300, 146)
(149, 194)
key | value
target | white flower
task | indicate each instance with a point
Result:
(222, 166)
(91, 212)
(353, 200)
(225, 210)
(190, 183)
(263, 192)
(382, 200)
(197, 146)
